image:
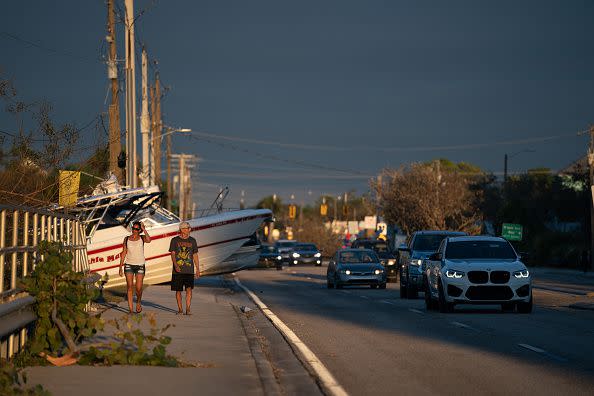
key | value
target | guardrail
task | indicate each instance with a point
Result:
(21, 231)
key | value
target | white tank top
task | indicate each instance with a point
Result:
(135, 254)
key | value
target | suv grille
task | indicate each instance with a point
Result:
(489, 293)
(499, 277)
(478, 276)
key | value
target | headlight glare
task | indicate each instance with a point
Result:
(378, 271)
(454, 274)
(279, 257)
(348, 272)
(522, 274)
(391, 262)
(318, 254)
(295, 254)
(416, 262)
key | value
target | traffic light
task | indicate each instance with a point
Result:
(323, 209)
(292, 211)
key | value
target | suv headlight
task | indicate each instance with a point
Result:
(295, 254)
(454, 274)
(416, 262)
(348, 272)
(378, 271)
(279, 257)
(522, 274)
(391, 262)
(318, 254)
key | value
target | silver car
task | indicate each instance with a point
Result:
(356, 267)
(477, 270)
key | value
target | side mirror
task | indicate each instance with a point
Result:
(435, 257)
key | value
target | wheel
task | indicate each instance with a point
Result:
(337, 284)
(403, 293)
(525, 307)
(442, 304)
(382, 286)
(429, 303)
(411, 292)
(330, 285)
(508, 307)
(373, 286)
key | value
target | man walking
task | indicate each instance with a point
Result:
(184, 255)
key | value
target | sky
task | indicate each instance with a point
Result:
(306, 98)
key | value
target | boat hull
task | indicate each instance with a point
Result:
(219, 237)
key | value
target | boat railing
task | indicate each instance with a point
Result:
(21, 231)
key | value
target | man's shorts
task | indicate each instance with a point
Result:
(134, 269)
(179, 281)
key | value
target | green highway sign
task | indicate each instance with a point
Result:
(511, 232)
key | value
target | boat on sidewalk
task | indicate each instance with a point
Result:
(221, 234)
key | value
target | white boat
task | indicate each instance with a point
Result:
(220, 234)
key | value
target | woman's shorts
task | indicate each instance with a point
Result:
(179, 281)
(134, 269)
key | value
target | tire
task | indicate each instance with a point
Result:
(403, 292)
(382, 286)
(411, 292)
(525, 307)
(373, 286)
(337, 284)
(508, 307)
(329, 285)
(442, 304)
(429, 303)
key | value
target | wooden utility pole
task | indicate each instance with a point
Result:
(131, 178)
(114, 108)
(154, 142)
(169, 181)
(591, 167)
(144, 122)
(158, 129)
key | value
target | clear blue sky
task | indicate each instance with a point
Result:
(372, 83)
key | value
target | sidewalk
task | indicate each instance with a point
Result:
(213, 337)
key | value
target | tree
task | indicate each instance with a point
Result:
(423, 196)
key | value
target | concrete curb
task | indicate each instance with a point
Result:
(583, 306)
(564, 290)
(324, 378)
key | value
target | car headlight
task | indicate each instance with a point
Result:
(279, 257)
(391, 262)
(348, 272)
(378, 271)
(318, 254)
(522, 274)
(454, 274)
(296, 255)
(416, 262)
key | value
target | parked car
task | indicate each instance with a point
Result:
(355, 267)
(477, 270)
(386, 255)
(269, 258)
(306, 253)
(420, 245)
(285, 248)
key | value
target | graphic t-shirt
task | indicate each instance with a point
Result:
(184, 250)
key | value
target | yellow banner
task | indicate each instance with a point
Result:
(69, 183)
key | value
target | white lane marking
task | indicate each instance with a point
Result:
(364, 297)
(387, 302)
(325, 377)
(416, 311)
(293, 272)
(308, 277)
(346, 292)
(532, 348)
(463, 325)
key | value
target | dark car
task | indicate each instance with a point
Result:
(355, 267)
(306, 253)
(269, 258)
(384, 251)
(419, 247)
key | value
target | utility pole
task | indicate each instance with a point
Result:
(169, 181)
(130, 96)
(591, 167)
(114, 108)
(144, 122)
(153, 141)
(158, 130)
(182, 186)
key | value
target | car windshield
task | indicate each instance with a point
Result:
(268, 249)
(358, 257)
(428, 242)
(285, 244)
(379, 247)
(306, 246)
(480, 250)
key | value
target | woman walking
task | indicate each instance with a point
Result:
(132, 258)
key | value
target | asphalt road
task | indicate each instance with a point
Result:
(375, 343)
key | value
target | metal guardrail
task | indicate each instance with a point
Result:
(21, 231)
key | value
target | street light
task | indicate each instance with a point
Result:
(511, 156)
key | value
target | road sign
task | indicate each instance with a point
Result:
(511, 232)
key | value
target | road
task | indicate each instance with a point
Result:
(375, 343)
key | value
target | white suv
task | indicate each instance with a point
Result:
(477, 270)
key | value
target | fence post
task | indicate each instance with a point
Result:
(25, 243)
(2, 245)
(15, 243)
